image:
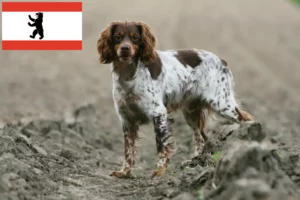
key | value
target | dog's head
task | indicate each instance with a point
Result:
(126, 42)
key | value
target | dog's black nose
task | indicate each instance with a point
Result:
(125, 48)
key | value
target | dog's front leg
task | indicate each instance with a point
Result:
(164, 142)
(130, 136)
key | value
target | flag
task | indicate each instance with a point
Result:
(41, 25)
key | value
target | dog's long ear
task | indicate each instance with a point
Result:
(104, 44)
(148, 43)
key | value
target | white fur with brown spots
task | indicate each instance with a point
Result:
(177, 86)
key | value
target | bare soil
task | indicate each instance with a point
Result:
(60, 137)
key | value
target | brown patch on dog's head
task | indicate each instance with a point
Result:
(126, 42)
(188, 58)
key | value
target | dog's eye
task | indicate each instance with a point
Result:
(118, 38)
(135, 38)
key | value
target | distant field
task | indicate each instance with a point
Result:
(296, 1)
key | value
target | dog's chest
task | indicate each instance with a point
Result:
(129, 105)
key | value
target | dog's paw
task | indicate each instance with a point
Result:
(158, 172)
(121, 174)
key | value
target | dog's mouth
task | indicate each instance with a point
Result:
(125, 58)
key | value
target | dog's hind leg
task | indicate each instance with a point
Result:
(224, 102)
(195, 114)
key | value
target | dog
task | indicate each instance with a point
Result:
(149, 84)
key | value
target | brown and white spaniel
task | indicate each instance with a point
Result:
(148, 84)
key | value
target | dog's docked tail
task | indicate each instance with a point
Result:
(243, 115)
